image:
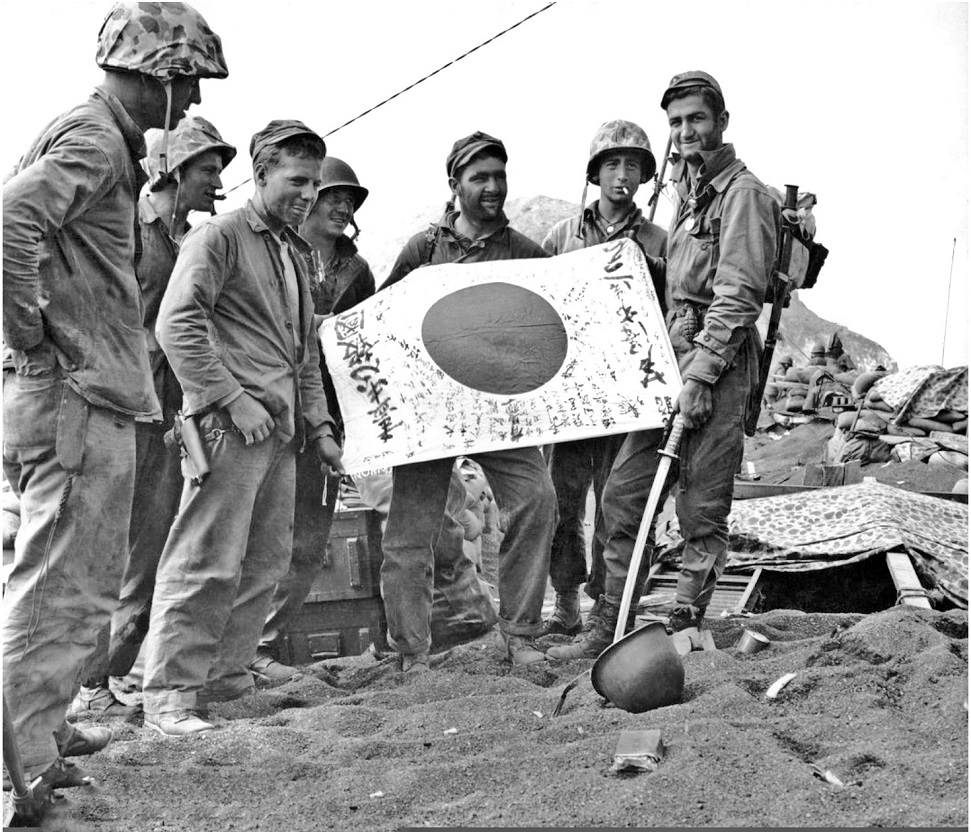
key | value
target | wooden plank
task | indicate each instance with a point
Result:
(745, 600)
(909, 589)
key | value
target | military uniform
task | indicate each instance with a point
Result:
(77, 373)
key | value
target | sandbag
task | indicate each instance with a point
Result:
(928, 424)
(864, 381)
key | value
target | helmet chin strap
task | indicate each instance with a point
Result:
(163, 156)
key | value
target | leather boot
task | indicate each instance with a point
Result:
(685, 617)
(593, 643)
(565, 619)
(594, 615)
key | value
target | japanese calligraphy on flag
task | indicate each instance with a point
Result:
(464, 358)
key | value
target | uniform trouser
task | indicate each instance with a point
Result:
(524, 493)
(574, 466)
(158, 486)
(311, 528)
(624, 500)
(70, 548)
(227, 550)
(709, 460)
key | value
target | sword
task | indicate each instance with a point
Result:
(668, 453)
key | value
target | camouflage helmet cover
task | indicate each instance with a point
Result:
(162, 40)
(338, 174)
(193, 136)
(619, 135)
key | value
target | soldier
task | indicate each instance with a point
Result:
(196, 157)
(76, 368)
(236, 323)
(479, 231)
(620, 161)
(721, 255)
(340, 278)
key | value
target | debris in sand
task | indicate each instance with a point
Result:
(448, 731)
(828, 776)
(778, 685)
(538, 714)
(638, 750)
(376, 794)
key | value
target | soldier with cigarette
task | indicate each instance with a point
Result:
(619, 162)
(196, 158)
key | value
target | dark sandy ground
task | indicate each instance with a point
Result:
(879, 700)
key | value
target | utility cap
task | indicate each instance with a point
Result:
(692, 78)
(464, 149)
(280, 130)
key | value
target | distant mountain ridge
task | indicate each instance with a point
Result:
(800, 329)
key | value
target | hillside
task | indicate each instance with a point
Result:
(534, 216)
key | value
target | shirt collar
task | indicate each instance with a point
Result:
(447, 222)
(134, 137)
(718, 167)
(257, 224)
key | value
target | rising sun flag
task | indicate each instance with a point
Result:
(458, 359)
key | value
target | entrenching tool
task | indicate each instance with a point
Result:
(29, 800)
(641, 670)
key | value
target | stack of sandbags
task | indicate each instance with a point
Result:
(911, 414)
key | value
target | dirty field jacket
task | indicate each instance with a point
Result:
(653, 239)
(721, 256)
(225, 323)
(336, 286)
(441, 243)
(69, 244)
(342, 282)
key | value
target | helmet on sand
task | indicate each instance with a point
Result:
(193, 136)
(338, 174)
(618, 135)
(161, 40)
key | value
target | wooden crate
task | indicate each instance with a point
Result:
(343, 613)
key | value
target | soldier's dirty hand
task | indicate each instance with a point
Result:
(329, 454)
(694, 404)
(251, 419)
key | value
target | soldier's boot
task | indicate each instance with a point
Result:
(684, 617)
(565, 619)
(593, 616)
(592, 643)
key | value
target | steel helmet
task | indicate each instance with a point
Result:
(194, 135)
(338, 174)
(161, 40)
(620, 135)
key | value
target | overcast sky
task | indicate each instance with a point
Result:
(865, 104)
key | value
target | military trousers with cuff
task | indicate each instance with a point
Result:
(524, 494)
(73, 465)
(227, 550)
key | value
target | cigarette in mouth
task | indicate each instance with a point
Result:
(626, 190)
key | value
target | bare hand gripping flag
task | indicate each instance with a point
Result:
(463, 358)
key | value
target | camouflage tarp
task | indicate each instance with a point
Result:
(836, 526)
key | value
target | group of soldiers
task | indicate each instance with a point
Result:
(127, 334)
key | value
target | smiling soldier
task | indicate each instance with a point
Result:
(236, 324)
(341, 279)
(477, 232)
